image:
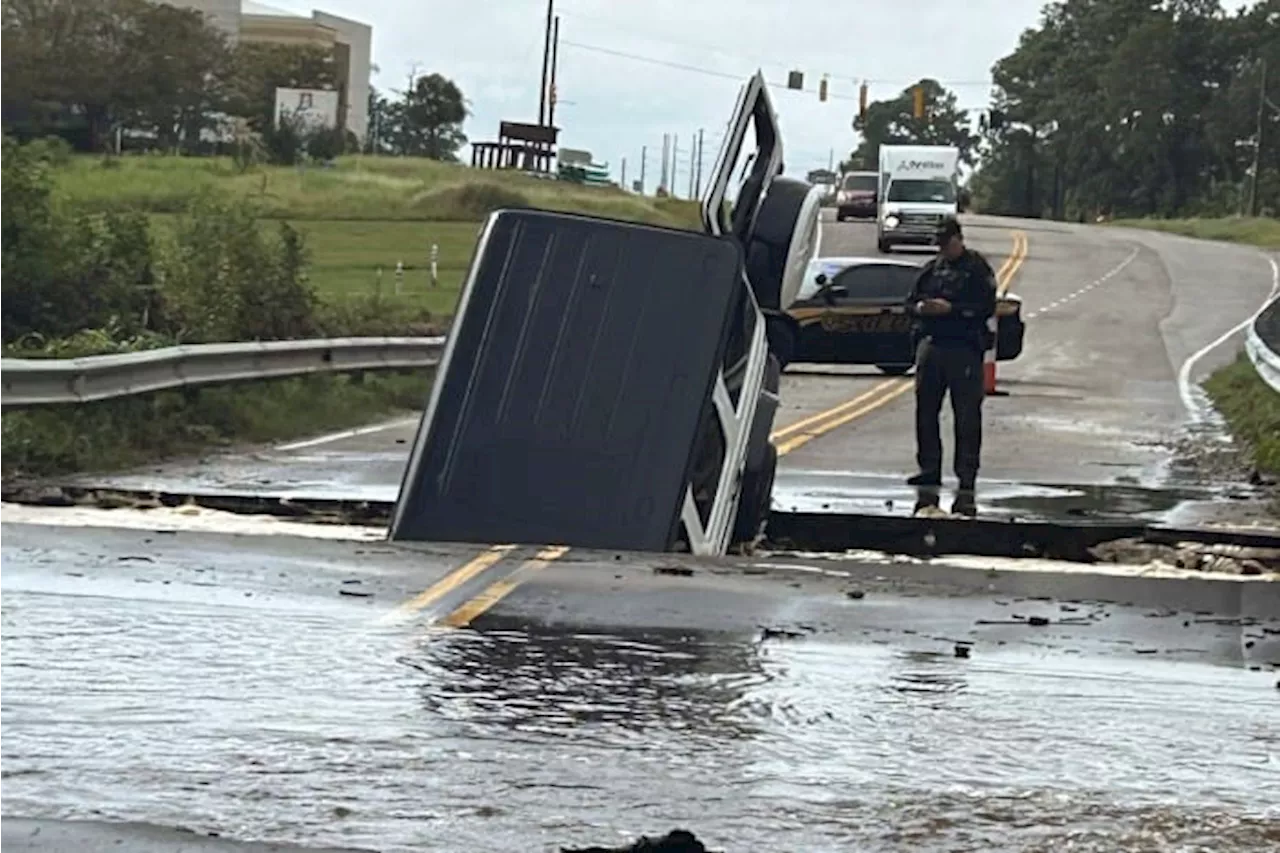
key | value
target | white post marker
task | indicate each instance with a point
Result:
(399, 276)
(435, 270)
(989, 360)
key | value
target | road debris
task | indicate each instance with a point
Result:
(676, 841)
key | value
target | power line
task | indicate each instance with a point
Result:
(714, 73)
(725, 75)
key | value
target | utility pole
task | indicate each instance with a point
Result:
(553, 96)
(697, 184)
(666, 148)
(546, 61)
(675, 154)
(623, 180)
(644, 158)
(1257, 141)
(693, 154)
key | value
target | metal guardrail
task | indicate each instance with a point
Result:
(1263, 344)
(48, 381)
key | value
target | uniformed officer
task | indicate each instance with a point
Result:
(952, 300)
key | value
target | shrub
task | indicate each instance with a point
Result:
(63, 272)
(224, 279)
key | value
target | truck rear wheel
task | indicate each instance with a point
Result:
(756, 499)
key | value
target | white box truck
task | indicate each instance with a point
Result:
(918, 187)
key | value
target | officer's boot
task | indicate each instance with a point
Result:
(966, 502)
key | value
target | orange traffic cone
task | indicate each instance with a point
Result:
(989, 362)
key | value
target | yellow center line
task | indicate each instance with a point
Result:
(783, 432)
(844, 413)
(449, 583)
(465, 614)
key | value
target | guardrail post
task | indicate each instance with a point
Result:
(399, 277)
(435, 272)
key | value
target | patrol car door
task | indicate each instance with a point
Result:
(870, 299)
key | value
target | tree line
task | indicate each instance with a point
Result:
(90, 72)
(1116, 108)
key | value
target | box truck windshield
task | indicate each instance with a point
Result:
(918, 192)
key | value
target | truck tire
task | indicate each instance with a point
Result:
(756, 499)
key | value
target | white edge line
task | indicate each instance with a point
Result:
(347, 433)
(1193, 399)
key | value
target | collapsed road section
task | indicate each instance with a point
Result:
(607, 384)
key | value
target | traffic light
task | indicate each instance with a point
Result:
(919, 101)
(822, 89)
(862, 102)
(553, 93)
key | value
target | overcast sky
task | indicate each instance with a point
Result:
(681, 70)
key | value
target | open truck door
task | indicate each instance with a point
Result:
(608, 384)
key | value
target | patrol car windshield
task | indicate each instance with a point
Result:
(933, 192)
(859, 182)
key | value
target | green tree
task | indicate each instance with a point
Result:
(1127, 107)
(181, 66)
(427, 121)
(893, 122)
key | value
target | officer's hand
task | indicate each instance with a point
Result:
(934, 307)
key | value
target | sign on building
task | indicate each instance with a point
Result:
(309, 109)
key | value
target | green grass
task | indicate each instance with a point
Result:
(362, 215)
(116, 434)
(356, 259)
(1252, 411)
(1254, 231)
(354, 188)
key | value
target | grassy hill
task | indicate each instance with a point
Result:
(360, 216)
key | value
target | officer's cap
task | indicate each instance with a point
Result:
(949, 227)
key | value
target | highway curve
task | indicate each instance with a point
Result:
(1122, 324)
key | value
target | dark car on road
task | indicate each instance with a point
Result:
(853, 311)
(857, 196)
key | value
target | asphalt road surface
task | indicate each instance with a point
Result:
(1121, 326)
(281, 689)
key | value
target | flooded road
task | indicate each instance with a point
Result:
(240, 707)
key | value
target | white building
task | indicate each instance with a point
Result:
(350, 41)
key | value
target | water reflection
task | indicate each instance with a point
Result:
(311, 729)
(639, 690)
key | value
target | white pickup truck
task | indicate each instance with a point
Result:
(918, 187)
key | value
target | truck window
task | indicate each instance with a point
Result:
(932, 192)
(860, 182)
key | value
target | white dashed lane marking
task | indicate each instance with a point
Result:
(1088, 287)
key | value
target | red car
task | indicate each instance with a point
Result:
(856, 198)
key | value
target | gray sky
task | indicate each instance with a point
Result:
(613, 105)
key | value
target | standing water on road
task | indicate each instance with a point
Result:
(312, 726)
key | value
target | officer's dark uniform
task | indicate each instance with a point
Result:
(949, 352)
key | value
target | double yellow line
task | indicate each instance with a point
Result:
(787, 439)
(802, 432)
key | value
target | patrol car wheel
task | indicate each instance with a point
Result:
(894, 369)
